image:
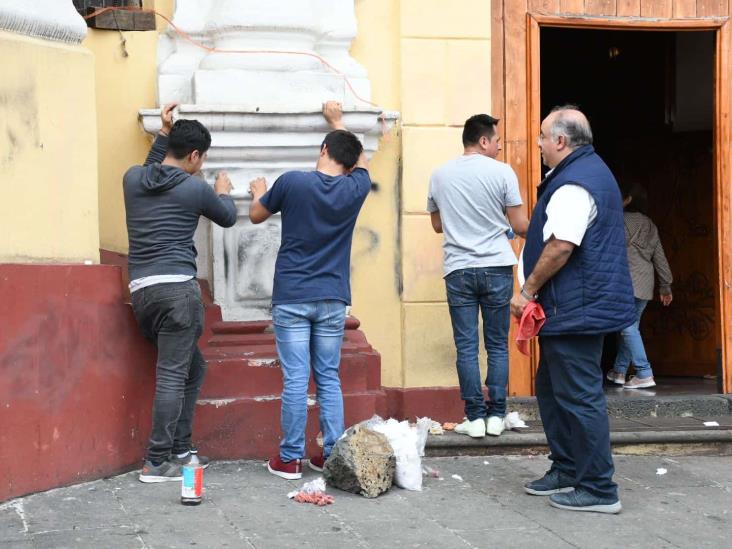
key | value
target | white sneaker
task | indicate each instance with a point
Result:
(494, 425)
(475, 428)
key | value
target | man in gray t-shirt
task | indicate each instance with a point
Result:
(475, 201)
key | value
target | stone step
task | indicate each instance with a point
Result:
(638, 406)
(249, 427)
(260, 375)
(667, 435)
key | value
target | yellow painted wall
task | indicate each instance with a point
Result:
(126, 80)
(445, 72)
(376, 263)
(48, 152)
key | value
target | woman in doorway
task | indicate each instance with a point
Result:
(645, 256)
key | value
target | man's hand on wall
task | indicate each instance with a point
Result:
(258, 187)
(223, 183)
(333, 113)
(166, 116)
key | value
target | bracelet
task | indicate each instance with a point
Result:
(528, 296)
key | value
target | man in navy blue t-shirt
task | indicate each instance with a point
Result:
(312, 283)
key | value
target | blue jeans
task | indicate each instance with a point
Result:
(574, 411)
(488, 289)
(631, 348)
(310, 333)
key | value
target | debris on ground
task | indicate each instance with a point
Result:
(661, 471)
(513, 421)
(430, 472)
(486, 463)
(436, 429)
(362, 462)
(312, 492)
(711, 424)
(458, 478)
(449, 426)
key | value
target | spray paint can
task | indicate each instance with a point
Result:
(191, 491)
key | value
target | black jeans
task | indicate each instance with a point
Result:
(171, 316)
(573, 410)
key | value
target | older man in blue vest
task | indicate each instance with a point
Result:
(575, 265)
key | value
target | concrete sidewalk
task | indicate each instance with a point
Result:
(689, 506)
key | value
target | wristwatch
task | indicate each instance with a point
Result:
(527, 295)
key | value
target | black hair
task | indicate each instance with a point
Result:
(343, 147)
(187, 136)
(477, 126)
(639, 202)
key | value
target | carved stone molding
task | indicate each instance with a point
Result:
(51, 19)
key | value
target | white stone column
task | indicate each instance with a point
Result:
(50, 19)
(263, 111)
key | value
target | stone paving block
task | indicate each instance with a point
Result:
(418, 532)
(641, 472)
(528, 537)
(75, 507)
(668, 423)
(11, 525)
(109, 538)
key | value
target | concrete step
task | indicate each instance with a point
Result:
(642, 436)
(639, 406)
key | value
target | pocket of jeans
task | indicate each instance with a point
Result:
(457, 291)
(500, 289)
(336, 313)
(283, 315)
(177, 314)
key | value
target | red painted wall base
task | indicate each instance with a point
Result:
(77, 381)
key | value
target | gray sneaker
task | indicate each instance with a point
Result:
(553, 482)
(203, 460)
(616, 377)
(636, 382)
(165, 472)
(582, 500)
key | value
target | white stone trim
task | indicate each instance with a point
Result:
(51, 19)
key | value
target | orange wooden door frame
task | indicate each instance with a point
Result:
(722, 133)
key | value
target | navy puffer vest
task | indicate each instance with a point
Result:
(592, 293)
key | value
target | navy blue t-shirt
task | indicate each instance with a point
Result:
(319, 213)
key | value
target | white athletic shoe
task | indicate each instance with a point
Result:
(475, 428)
(494, 425)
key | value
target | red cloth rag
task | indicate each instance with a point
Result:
(531, 322)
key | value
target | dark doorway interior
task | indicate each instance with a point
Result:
(649, 97)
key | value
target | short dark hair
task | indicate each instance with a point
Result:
(639, 195)
(477, 126)
(343, 147)
(187, 136)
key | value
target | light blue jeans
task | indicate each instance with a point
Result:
(310, 334)
(631, 348)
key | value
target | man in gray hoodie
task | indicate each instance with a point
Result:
(163, 201)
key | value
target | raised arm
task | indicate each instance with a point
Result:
(333, 113)
(160, 146)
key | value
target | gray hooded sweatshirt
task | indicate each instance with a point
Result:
(163, 204)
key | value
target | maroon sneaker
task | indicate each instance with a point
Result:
(290, 470)
(317, 463)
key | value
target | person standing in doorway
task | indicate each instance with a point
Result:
(163, 202)
(474, 200)
(312, 284)
(576, 266)
(645, 258)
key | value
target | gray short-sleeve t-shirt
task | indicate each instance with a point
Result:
(471, 193)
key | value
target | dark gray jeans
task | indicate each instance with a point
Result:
(171, 316)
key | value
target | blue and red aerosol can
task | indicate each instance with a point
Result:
(191, 491)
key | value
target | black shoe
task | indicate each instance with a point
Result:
(553, 482)
(582, 500)
(165, 472)
(185, 460)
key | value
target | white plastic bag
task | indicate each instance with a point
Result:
(424, 424)
(404, 441)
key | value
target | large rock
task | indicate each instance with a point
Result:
(362, 462)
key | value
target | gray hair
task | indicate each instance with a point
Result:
(575, 129)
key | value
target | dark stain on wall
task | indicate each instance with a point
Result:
(19, 128)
